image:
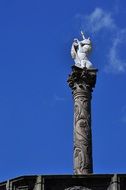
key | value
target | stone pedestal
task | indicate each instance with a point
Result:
(66, 182)
(82, 81)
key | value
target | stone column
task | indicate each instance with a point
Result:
(82, 81)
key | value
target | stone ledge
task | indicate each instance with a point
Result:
(67, 182)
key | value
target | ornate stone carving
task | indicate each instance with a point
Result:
(77, 188)
(82, 81)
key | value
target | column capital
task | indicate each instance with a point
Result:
(82, 77)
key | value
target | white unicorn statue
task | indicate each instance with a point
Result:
(80, 51)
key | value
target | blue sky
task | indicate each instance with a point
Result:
(36, 106)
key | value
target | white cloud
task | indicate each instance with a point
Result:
(96, 21)
(102, 20)
(116, 64)
(99, 19)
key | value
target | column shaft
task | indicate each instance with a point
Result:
(82, 81)
(82, 131)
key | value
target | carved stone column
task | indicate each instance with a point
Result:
(82, 81)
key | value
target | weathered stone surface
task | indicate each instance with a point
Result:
(81, 81)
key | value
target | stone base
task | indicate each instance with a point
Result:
(67, 182)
